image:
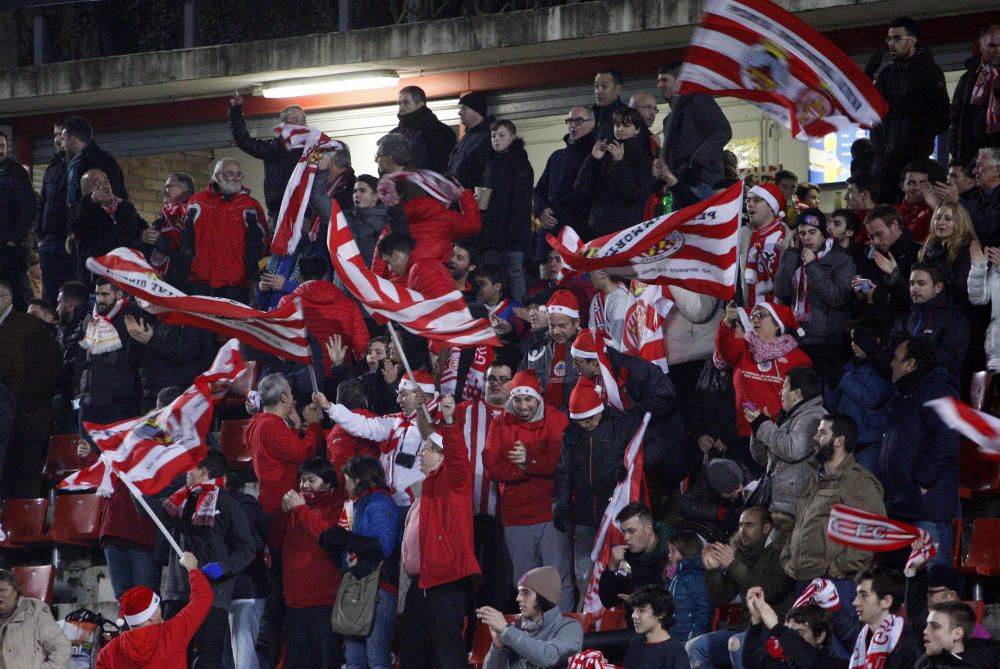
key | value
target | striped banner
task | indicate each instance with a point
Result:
(980, 427)
(868, 531)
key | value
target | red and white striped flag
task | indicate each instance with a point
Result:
(281, 332)
(756, 51)
(981, 428)
(441, 189)
(694, 247)
(152, 450)
(445, 318)
(288, 228)
(868, 531)
(572, 241)
(608, 535)
(642, 335)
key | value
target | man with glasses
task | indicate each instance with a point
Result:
(161, 241)
(919, 108)
(984, 205)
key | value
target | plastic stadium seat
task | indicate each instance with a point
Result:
(61, 458)
(977, 475)
(984, 548)
(727, 616)
(586, 620)
(231, 440)
(77, 519)
(36, 581)
(24, 522)
(611, 619)
(480, 645)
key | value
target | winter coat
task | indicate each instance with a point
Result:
(539, 358)
(31, 364)
(618, 188)
(431, 141)
(919, 451)
(366, 223)
(604, 127)
(694, 606)
(810, 554)
(328, 311)
(112, 378)
(471, 153)
(374, 538)
(341, 446)
(97, 233)
(309, 576)
(545, 647)
(695, 133)
(689, 328)
(984, 288)
(52, 212)
(967, 133)
(446, 548)
(123, 525)
(984, 207)
(435, 226)
(944, 325)
(31, 639)
(891, 298)
(647, 569)
(173, 357)
(863, 394)
(701, 502)
(956, 272)
(252, 583)
(507, 221)
(978, 654)
(279, 162)
(223, 238)
(557, 190)
(164, 645)
(830, 294)
(785, 447)
(17, 203)
(93, 157)
(796, 652)
(525, 493)
(755, 565)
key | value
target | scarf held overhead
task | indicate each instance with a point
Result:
(867, 531)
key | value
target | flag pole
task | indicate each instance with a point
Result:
(312, 376)
(137, 494)
(406, 364)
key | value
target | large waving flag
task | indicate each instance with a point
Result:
(608, 535)
(868, 531)
(642, 334)
(281, 332)
(754, 50)
(980, 427)
(445, 319)
(152, 450)
(694, 247)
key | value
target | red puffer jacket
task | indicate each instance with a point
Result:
(308, 575)
(341, 446)
(328, 311)
(525, 494)
(436, 226)
(224, 236)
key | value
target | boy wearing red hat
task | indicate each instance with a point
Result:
(150, 642)
(765, 208)
(549, 354)
(522, 451)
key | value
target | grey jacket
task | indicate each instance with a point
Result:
(555, 640)
(787, 449)
(539, 358)
(830, 294)
(694, 135)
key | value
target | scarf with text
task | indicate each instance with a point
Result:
(205, 508)
(873, 654)
(101, 335)
(867, 531)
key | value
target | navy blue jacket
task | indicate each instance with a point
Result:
(863, 394)
(694, 605)
(556, 188)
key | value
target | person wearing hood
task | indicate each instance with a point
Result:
(617, 175)
(975, 105)
(522, 452)
(716, 495)
(556, 201)
(431, 141)
(472, 151)
(151, 642)
(948, 640)
(506, 228)
(913, 86)
(224, 236)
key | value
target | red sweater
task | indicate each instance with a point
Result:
(328, 311)
(341, 446)
(310, 578)
(163, 646)
(525, 493)
(123, 525)
(917, 218)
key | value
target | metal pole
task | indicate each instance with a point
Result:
(137, 494)
(406, 364)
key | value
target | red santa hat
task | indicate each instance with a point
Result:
(783, 316)
(525, 382)
(589, 345)
(563, 302)
(138, 605)
(420, 380)
(585, 400)
(770, 193)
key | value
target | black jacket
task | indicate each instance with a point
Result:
(695, 134)
(112, 378)
(604, 119)
(556, 188)
(797, 654)
(173, 357)
(17, 203)
(968, 121)
(278, 161)
(252, 581)
(647, 569)
(956, 272)
(618, 188)
(50, 218)
(94, 157)
(892, 292)
(97, 232)
(468, 159)
(507, 221)
(979, 654)
(830, 296)
(431, 141)
(703, 504)
(944, 325)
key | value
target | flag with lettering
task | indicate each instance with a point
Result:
(868, 531)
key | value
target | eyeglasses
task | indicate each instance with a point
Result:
(757, 315)
(497, 379)
(893, 39)
(577, 120)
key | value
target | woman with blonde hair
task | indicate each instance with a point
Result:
(947, 247)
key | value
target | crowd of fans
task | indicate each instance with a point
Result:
(473, 487)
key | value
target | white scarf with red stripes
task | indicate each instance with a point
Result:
(873, 654)
(867, 531)
(101, 335)
(436, 186)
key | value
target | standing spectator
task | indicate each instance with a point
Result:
(462, 266)
(948, 248)
(863, 194)
(616, 176)
(160, 243)
(607, 100)
(250, 592)
(607, 309)
(641, 560)
(73, 310)
(29, 636)
(807, 195)
(17, 213)
(556, 201)
(803, 639)
(472, 151)
(367, 218)
(522, 452)
(224, 236)
(765, 205)
(278, 160)
(431, 141)
(694, 134)
(341, 445)
(882, 641)
(918, 175)
(172, 355)
(913, 86)
(918, 464)
(984, 288)
(550, 355)
(505, 202)
(788, 182)
(50, 221)
(985, 205)
(551, 281)
(645, 104)
(949, 637)
(100, 222)
(688, 588)
(845, 226)
(83, 155)
(500, 308)
(975, 105)
(885, 294)
(653, 612)
(814, 278)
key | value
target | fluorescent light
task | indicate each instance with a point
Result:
(342, 83)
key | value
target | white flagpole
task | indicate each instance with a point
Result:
(137, 494)
(406, 364)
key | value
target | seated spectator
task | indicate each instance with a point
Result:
(765, 204)
(949, 640)
(160, 243)
(641, 560)
(29, 636)
(693, 616)
(652, 616)
(885, 294)
(717, 495)
(932, 585)
(542, 637)
(882, 641)
(100, 222)
(802, 642)
(916, 212)
(984, 206)
(947, 247)
(499, 306)
(863, 195)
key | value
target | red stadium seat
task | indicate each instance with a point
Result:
(984, 548)
(62, 459)
(24, 522)
(586, 620)
(77, 519)
(231, 439)
(977, 475)
(611, 619)
(727, 616)
(480, 645)
(36, 581)
(979, 608)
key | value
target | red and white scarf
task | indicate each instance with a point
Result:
(174, 216)
(206, 505)
(822, 592)
(101, 335)
(800, 283)
(762, 262)
(590, 659)
(441, 189)
(984, 92)
(871, 532)
(873, 654)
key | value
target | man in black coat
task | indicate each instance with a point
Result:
(641, 560)
(83, 155)
(278, 160)
(468, 159)
(607, 99)
(17, 212)
(556, 200)
(51, 222)
(431, 141)
(975, 105)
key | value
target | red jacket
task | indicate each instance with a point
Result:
(341, 446)
(435, 226)
(123, 525)
(755, 382)
(277, 452)
(328, 311)
(917, 218)
(310, 578)
(163, 646)
(225, 237)
(446, 546)
(525, 494)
